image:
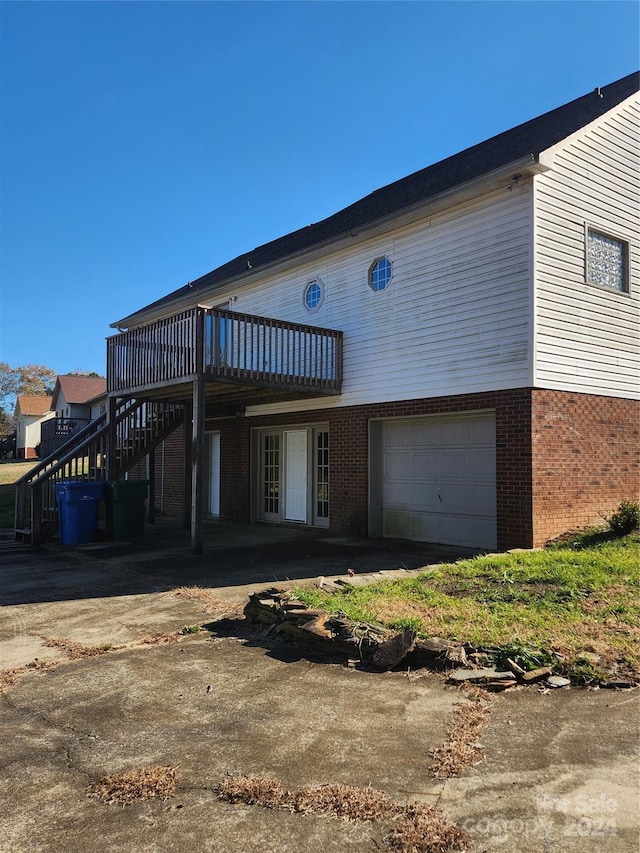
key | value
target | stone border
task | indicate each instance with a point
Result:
(380, 649)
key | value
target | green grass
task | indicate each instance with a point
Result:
(574, 605)
(9, 473)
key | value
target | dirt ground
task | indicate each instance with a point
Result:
(560, 771)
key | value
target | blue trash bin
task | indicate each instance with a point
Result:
(78, 505)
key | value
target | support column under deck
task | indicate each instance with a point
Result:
(198, 442)
(112, 406)
(197, 466)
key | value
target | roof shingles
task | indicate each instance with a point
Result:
(29, 404)
(530, 138)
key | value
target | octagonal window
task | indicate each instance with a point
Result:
(380, 274)
(313, 295)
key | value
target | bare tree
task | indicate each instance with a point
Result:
(34, 379)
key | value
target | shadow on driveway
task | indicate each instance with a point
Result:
(234, 556)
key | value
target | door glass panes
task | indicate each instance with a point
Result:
(322, 474)
(271, 472)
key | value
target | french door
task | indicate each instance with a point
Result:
(293, 475)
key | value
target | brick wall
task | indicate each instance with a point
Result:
(169, 471)
(349, 454)
(561, 459)
(586, 459)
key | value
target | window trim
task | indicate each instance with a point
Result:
(372, 266)
(320, 284)
(626, 269)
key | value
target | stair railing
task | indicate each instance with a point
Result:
(138, 427)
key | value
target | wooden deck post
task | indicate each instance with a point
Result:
(197, 466)
(111, 438)
(198, 441)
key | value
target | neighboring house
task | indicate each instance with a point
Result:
(30, 413)
(454, 358)
(74, 396)
(76, 401)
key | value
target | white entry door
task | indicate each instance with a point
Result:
(214, 474)
(295, 442)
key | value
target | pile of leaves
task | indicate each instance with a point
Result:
(132, 786)
(413, 828)
(461, 749)
(73, 650)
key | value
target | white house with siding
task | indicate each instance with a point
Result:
(30, 413)
(454, 358)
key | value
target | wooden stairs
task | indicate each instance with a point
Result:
(138, 428)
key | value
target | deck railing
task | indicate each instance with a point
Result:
(56, 431)
(138, 428)
(236, 348)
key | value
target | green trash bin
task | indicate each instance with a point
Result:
(125, 507)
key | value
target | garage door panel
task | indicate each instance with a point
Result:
(453, 465)
(424, 434)
(396, 464)
(444, 489)
(454, 431)
(395, 495)
(424, 464)
(397, 435)
(422, 497)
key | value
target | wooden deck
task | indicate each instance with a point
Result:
(239, 356)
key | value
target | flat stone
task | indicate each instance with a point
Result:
(557, 681)
(484, 674)
(318, 627)
(393, 651)
(514, 667)
(537, 674)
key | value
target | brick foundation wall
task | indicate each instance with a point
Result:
(26, 453)
(170, 478)
(561, 459)
(586, 459)
(169, 474)
(349, 455)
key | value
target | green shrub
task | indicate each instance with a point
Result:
(626, 518)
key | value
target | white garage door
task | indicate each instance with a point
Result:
(438, 480)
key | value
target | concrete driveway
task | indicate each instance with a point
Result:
(559, 774)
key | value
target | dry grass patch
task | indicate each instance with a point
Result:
(160, 638)
(9, 677)
(73, 650)
(132, 786)
(254, 791)
(415, 828)
(461, 749)
(211, 602)
(424, 829)
(346, 802)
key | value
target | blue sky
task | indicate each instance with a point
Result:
(144, 144)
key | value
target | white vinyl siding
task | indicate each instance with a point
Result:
(455, 317)
(29, 429)
(587, 337)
